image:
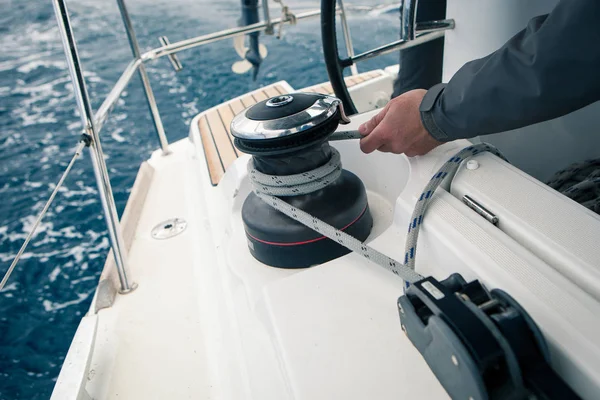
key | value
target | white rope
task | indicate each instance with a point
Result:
(306, 182)
(80, 147)
(267, 187)
(342, 238)
(449, 168)
(298, 184)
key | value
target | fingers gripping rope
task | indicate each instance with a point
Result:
(267, 187)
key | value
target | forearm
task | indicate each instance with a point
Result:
(549, 69)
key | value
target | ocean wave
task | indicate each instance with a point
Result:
(33, 65)
(51, 306)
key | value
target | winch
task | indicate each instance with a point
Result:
(480, 344)
(288, 136)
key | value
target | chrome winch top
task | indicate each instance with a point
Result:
(286, 115)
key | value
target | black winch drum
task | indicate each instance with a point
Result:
(287, 135)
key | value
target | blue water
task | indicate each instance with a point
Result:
(54, 283)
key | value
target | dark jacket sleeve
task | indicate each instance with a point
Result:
(547, 70)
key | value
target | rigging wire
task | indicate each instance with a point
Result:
(80, 147)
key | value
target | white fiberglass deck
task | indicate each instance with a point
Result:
(209, 321)
(204, 321)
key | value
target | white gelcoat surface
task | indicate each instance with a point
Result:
(567, 240)
(75, 370)
(209, 321)
(374, 93)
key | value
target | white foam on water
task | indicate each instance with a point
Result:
(50, 150)
(9, 287)
(6, 257)
(34, 184)
(116, 135)
(71, 232)
(33, 65)
(54, 274)
(10, 142)
(84, 279)
(50, 306)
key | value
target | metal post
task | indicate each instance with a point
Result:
(347, 36)
(135, 49)
(267, 17)
(394, 46)
(221, 35)
(408, 19)
(115, 94)
(100, 171)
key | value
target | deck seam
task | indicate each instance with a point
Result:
(215, 143)
(205, 152)
(228, 133)
(243, 103)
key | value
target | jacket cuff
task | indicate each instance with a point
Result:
(426, 109)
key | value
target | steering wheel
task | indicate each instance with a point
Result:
(411, 34)
(334, 64)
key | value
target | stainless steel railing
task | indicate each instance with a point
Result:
(347, 35)
(431, 31)
(96, 154)
(135, 49)
(93, 123)
(102, 114)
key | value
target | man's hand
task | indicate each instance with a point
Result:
(398, 128)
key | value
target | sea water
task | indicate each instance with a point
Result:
(39, 128)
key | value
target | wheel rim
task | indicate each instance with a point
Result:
(335, 66)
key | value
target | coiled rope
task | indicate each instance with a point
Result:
(267, 187)
(580, 182)
(298, 184)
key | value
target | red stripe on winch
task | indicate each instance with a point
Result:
(311, 240)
